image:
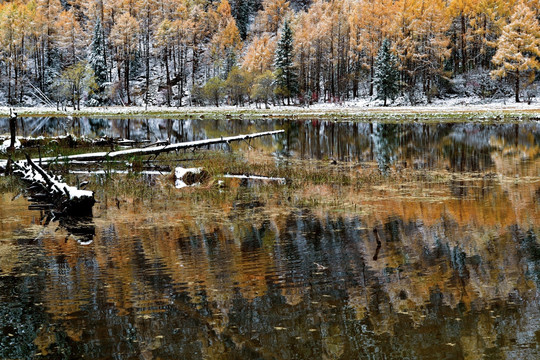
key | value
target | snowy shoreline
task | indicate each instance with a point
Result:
(457, 106)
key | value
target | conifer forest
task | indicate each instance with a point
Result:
(208, 52)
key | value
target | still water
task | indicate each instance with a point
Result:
(430, 270)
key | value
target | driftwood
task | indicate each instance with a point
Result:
(50, 191)
(155, 150)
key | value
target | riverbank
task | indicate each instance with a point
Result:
(450, 111)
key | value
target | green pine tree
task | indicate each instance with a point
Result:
(241, 13)
(96, 57)
(286, 77)
(386, 74)
(96, 60)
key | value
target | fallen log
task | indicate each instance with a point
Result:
(155, 150)
(257, 178)
(46, 188)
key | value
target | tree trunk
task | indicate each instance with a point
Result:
(517, 86)
(13, 130)
(167, 74)
(127, 79)
(371, 75)
(463, 45)
(147, 58)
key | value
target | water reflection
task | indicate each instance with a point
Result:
(205, 288)
(426, 270)
(454, 146)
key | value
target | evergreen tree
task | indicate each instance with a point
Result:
(241, 13)
(96, 58)
(286, 77)
(386, 73)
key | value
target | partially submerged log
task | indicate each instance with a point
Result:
(45, 188)
(155, 150)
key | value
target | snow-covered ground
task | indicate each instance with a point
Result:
(445, 106)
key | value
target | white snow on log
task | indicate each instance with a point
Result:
(153, 150)
(58, 187)
(103, 172)
(256, 177)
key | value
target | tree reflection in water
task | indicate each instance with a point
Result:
(450, 274)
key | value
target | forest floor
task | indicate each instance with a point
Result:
(460, 109)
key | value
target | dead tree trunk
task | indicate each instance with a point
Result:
(12, 129)
(46, 188)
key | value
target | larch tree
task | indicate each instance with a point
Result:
(164, 40)
(431, 44)
(461, 11)
(374, 20)
(488, 19)
(13, 18)
(226, 42)
(183, 28)
(45, 21)
(71, 38)
(259, 56)
(404, 44)
(271, 16)
(285, 73)
(311, 44)
(386, 73)
(518, 47)
(124, 35)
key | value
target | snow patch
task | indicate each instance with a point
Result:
(180, 172)
(5, 145)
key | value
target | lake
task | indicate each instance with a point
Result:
(442, 262)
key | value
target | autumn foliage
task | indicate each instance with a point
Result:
(161, 52)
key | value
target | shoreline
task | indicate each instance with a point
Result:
(476, 112)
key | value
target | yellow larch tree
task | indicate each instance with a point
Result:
(518, 47)
(260, 53)
(428, 30)
(124, 36)
(270, 18)
(488, 19)
(370, 22)
(48, 12)
(13, 31)
(226, 42)
(71, 38)
(461, 12)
